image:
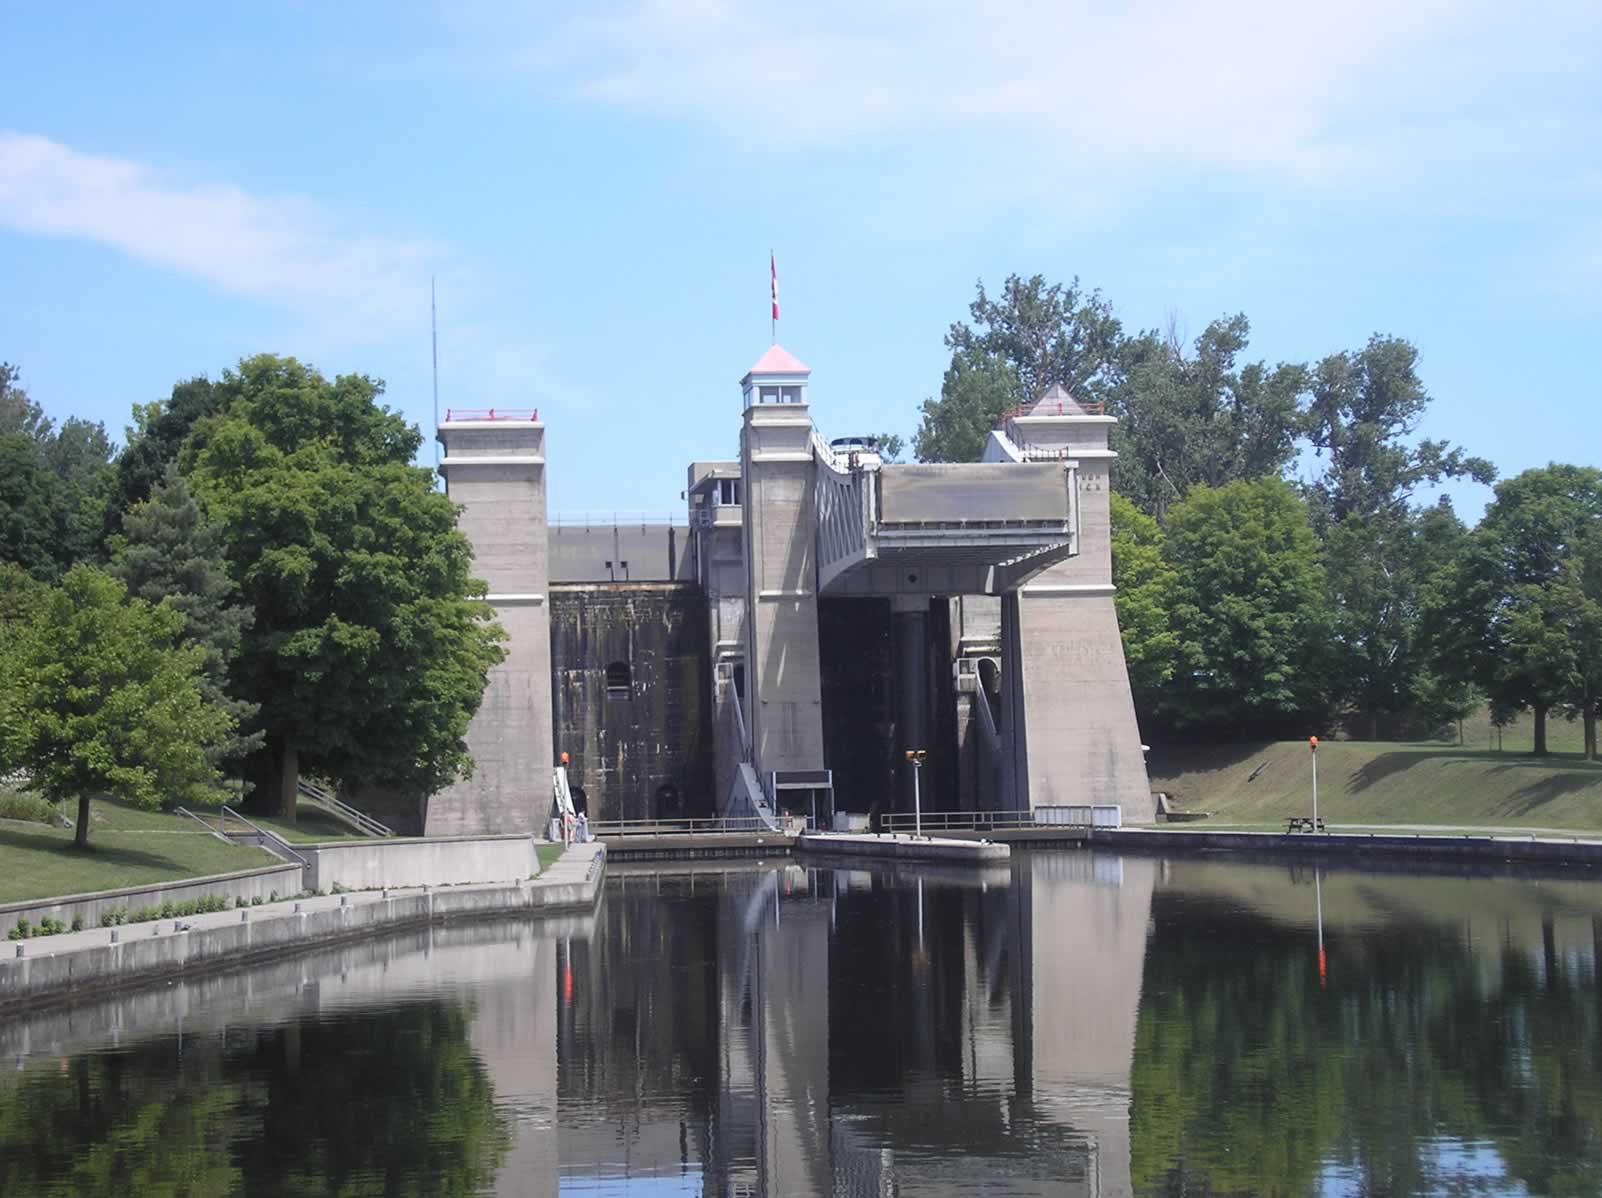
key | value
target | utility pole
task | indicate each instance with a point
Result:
(916, 757)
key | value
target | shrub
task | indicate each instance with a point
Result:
(33, 808)
(77, 923)
(22, 931)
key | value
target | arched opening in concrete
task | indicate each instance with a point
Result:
(619, 682)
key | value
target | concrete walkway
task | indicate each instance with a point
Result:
(103, 958)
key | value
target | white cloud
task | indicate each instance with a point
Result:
(1306, 92)
(283, 250)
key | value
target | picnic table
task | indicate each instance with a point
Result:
(1304, 823)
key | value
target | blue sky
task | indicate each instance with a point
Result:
(597, 187)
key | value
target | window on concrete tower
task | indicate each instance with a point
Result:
(618, 681)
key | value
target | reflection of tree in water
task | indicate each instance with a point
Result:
(382, 1102)
(1248, 1079)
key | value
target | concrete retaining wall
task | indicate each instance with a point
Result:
(445, 861)
(903, 848)
(1448, 848)
(57, 967)
(284, 880)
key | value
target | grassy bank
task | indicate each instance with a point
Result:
(1381, 784)
(130, 847)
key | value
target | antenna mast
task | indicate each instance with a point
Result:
(433, 336)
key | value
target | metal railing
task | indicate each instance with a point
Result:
(217, 831)
(526, 415)
(960, 821)
(602, 829)
(338, 807)
(266, 837)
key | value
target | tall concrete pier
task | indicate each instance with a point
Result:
(1068, 716)
(494, 467)
(781, 528)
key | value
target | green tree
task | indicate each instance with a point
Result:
(891, 446)
(156, 438)
(55, 483)
(169, 553)
(1199, 415)
(1249, 609)
(1019, 343)
(1514, 612)
(108, 701)
(370, 647)
(1146, 585)
(1366, 407)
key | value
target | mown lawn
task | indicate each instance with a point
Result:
(127, 847)
(1379, 784)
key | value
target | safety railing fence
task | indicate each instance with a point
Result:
(203, 822)
(337, 806)
(266, 837)
(957, 821)
(601, 829)
(474, 415)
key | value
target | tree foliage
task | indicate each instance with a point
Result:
(369, 650)
(1019, 343)
(169, 553)
(1249, 609)
(1200, 415)
(1520, 610)
(55, 483)
(106, 700)
(156, 438)
(1146, 584)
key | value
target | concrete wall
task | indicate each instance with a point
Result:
(496, 473)
(148, 952)
(627, 744)
(782, 670)
(1074, 715)
(372, 864)
(620, 552)
(283, 880)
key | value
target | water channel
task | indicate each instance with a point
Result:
(1073, 1024)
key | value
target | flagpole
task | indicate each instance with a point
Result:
(773, 298)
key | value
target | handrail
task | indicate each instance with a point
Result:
(528, 415)
(965, 821)
(280, 846)
(344, 810)
(739, 722)
(601, 829)
(212, 831)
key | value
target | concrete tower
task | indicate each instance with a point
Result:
(1067, 706)
(780, 529)
(494, 467)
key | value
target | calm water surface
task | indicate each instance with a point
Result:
(1076, 1024)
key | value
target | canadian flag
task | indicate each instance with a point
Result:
(773, 275)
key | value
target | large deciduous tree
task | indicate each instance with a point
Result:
(1199, 415)
(1520, 611)
(370, 648)
(1250, 610)
(1145, 592)
(1381, 552)
(1019, 343)
(104, 699)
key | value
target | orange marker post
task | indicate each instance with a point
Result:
(1312, 746)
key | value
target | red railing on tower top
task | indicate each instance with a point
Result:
(1072, 407)
(527, 415)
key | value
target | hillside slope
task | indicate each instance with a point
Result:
(1363, 782)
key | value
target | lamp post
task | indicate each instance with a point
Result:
(916, 757)
(1312, 746)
